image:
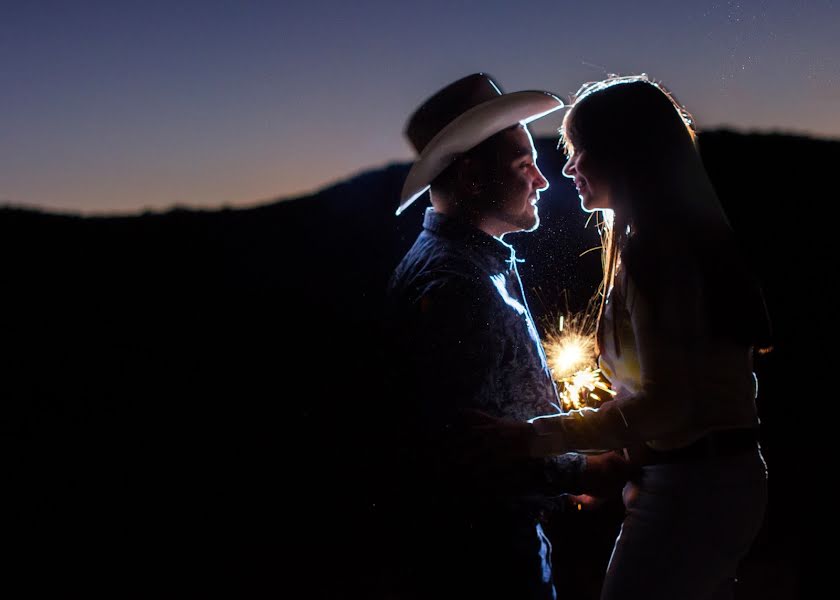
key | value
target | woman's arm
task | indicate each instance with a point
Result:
(668, 337)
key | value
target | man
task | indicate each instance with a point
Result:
(462, 341)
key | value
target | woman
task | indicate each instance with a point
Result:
(679, 319)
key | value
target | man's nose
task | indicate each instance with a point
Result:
(541, 182)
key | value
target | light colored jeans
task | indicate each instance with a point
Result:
(686, 528)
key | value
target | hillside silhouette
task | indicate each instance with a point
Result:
(189, 396)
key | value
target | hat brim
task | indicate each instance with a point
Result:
(469, 130)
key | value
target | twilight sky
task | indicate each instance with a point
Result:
(116, 106)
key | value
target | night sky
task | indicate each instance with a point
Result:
(124, 106)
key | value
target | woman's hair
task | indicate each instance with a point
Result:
(667, 219)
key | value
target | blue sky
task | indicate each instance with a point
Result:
(115, 107)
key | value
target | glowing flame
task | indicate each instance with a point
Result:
(570, 352)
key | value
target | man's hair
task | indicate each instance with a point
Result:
(487, 153)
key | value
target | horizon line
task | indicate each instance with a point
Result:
(7, 205)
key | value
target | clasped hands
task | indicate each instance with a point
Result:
(489, 442)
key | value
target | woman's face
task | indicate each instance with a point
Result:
(592, 186)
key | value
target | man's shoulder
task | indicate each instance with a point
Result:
(434, 262)
(436, 286)
(444, 285)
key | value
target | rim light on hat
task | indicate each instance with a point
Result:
(458, 118)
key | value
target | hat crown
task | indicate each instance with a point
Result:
(448, 104)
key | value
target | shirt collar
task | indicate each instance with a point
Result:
(460, 231)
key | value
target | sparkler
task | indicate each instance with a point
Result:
(571, 348)
(571, 357)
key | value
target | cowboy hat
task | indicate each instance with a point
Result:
(458, 118)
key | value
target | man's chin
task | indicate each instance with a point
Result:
(524, 225)
(521, 223)
(533, 223)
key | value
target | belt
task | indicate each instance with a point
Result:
(728, 442)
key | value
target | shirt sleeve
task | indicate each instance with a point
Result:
(452, 355)
(457, 347)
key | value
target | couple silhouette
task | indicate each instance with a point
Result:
(479, 448)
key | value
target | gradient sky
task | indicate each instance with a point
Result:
(123, 106)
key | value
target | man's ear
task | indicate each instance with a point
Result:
(469, 178)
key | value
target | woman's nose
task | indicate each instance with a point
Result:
(568, 169)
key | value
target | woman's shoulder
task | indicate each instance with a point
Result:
(651, 266)
(701, 279)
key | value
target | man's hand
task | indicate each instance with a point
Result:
(497, 439)
(606, 474)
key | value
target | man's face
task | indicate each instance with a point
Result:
(514, 184)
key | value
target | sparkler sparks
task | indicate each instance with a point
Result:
(581, 387)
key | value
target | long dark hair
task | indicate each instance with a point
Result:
(668, 221)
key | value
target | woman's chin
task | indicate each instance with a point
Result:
(586, 206)
(590, 206)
